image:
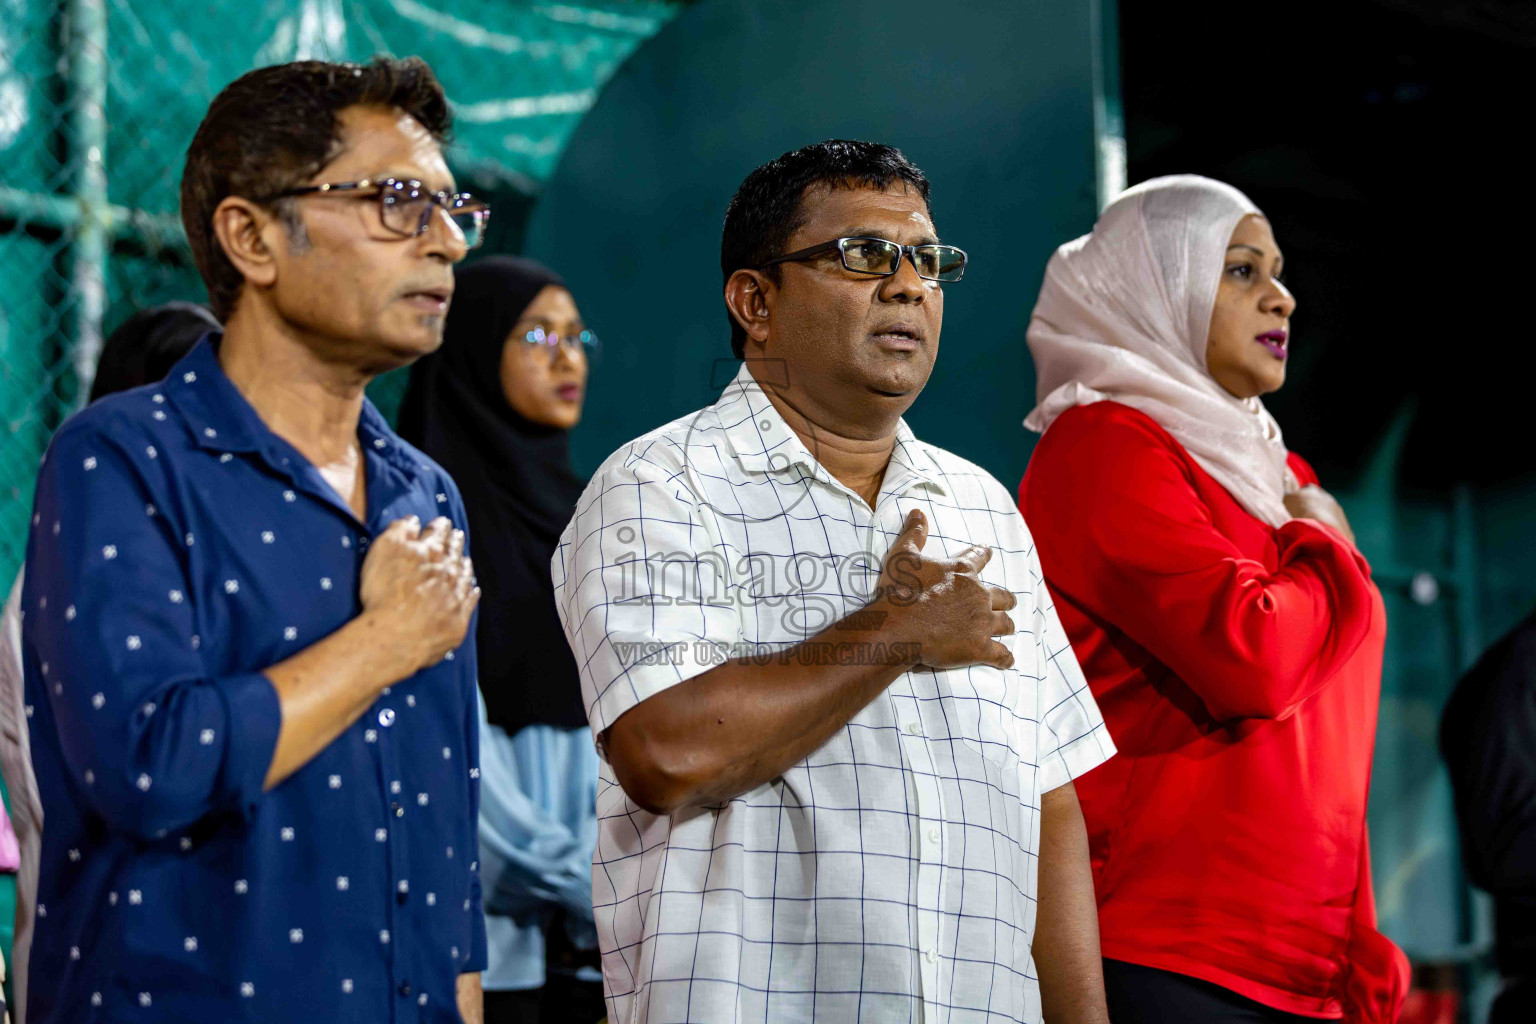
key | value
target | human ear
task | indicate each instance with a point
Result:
(749, 296)
(247, 234)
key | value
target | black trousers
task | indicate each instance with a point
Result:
(562, 1000)
(1147, 995)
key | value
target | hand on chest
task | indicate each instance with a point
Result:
(813, 571)
(272, 564)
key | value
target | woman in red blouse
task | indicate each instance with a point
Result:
(1223, 616)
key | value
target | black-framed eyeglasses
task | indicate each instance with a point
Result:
(880, 256)
(552, 342)
(406, 206)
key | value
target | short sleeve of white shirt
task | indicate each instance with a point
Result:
(1073, 738)
(639, 587)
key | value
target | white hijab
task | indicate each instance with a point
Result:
(1125, 314)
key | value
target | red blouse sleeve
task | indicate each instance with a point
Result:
(1305, 474)
(1122, 531)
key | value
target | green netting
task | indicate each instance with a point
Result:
(99, 98)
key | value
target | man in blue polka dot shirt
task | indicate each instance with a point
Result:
(247, 642)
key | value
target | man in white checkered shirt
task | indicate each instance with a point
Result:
(828, 793)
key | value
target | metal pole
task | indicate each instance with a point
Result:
(62, 215)
(87, 97)
(1108, 119)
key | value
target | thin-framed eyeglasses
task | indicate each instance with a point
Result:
(864, 254)
(552, 342)
(406, 205)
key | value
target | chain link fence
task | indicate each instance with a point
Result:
(99, 99)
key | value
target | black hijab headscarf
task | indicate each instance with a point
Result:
(145, 347)
(519, 493)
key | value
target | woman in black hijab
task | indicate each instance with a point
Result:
(494, 406)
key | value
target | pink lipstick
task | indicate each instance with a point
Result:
(1275, 341)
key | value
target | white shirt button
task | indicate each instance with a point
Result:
(933, 835)
(387, 717)
(914, 728)
(932, 956)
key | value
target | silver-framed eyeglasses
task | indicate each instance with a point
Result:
(406, 205)
(865, 254)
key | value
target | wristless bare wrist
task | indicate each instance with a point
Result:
(394, 652)
(885, 626)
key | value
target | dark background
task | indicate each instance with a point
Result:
(1383, 141)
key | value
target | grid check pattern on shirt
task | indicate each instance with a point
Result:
(891, 875)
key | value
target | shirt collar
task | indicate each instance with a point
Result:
(218, 415)
(221, 419)
(912, 464)
(763, 442)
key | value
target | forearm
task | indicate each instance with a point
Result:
(1250, 642)
(738, 726)
(325, 687)
(471, 999)
(1066, 945)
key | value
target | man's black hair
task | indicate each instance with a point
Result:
(767, 209)
(273, 128)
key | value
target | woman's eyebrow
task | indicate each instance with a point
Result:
(539, 318)
(1250, 248)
